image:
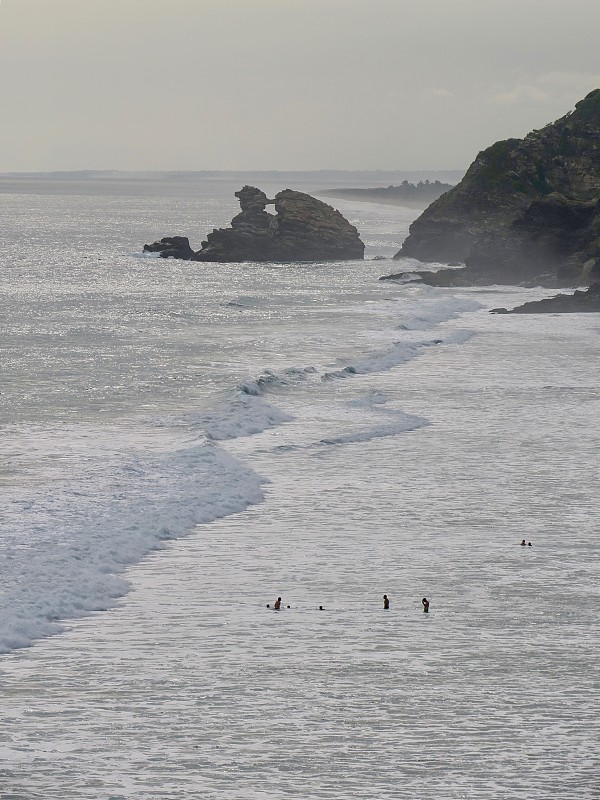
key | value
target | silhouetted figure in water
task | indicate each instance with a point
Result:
(277, 605)
(523, 543)
(386, 603)
(425, 602)
(321, 608)
(529, 544)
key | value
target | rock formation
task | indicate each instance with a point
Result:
(576, 303)
(171, 247)
(302, 229)
(527, 210)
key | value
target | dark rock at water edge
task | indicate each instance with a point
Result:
(171, 247)
(527, 210)
(579, 302)
(458, 276)
(302, 229)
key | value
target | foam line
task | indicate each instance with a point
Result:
(165, 498)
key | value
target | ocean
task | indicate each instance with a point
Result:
(182, 443)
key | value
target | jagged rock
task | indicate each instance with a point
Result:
(250, 235)
(527, 210)
(576, 303)
(302, 229)
(171, 247)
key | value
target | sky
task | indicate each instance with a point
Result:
(284, 84)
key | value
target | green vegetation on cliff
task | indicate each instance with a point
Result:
(527, 210)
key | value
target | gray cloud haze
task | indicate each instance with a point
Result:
(284, 84)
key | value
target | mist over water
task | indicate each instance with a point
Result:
(298, 431)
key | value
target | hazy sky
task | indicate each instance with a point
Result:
(284, 84)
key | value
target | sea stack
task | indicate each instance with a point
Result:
(301, 229)
(526, 212)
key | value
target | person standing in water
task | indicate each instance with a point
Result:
(277, 605)
(386, 603)
(425, 602)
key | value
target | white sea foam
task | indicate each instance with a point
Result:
(155, 498)
(243, 415)
(401, 424)
(270, 380)
(113, 500)
(439, 309)
(399, 353)
(145, 254)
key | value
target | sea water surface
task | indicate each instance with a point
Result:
(183, 443)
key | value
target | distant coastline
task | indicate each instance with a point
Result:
(173, 183)
(410, 195)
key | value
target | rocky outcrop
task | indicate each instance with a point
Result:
(301, 229)
(171, 247)
(527, 210)
(579, 302)
(250, 235)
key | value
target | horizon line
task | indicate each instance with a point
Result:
(108, 172)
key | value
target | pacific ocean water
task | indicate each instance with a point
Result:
(182, 443)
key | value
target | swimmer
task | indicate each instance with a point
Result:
(268, 606)
(523, 543)
(321, 608)
(386, 603)
(277, 605)
(529, 544)
(425, 602)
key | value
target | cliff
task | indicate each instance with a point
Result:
(302, 229)
(526, 211)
